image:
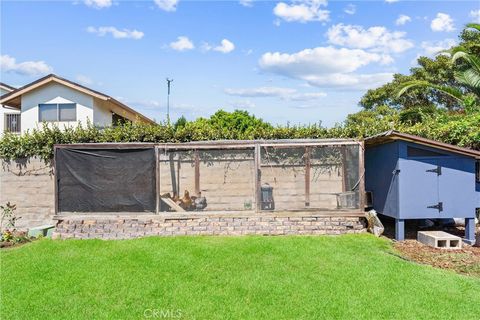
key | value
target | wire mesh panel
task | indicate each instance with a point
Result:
(283, 173)
(207, 180)
(211, 177)
(309, 177)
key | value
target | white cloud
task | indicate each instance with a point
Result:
(402, 19)
(29, 68)
(326, 66)
(432, 48)
(83, 79)
(374, 38)
(182, 44)
(116, 33)
(351, 80)
(475, 14)
(443, 22)
(289, 94)
(243, 104)
(167, 5)
(302, 11)
(306, 96)
(321, 60)
(246, 3)
(225, 46)
(98, 4)
(350, 9)
(260, 92)
(391, 1)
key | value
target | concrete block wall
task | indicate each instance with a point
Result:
(289, 186)
(133, 227)
(228, 186)
(29, 184)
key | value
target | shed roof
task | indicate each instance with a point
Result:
(13, 98)
(393, 135)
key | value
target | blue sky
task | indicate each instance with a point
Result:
(285, 61)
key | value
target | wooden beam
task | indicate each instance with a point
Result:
(343, 151)
(178, 176)
(157, 182)
(307, 176)
(361, 173)
(258, 178)
(173, 205)
(55, 176)
(172, 173)
(197, 173)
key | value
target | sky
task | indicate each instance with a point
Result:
(288, 62)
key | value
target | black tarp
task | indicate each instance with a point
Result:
(105, 180)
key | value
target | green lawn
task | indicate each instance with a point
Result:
(346, 277)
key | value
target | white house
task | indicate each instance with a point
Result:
(56, 100)
(8, 116)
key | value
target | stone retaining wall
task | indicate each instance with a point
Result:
(134, 227)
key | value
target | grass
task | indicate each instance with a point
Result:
(347, 277)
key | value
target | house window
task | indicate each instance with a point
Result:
(12, 122)
(57, 112)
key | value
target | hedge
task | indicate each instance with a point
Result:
(459, 129)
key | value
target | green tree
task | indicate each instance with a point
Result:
(439, 71)
(466, 89)
(180, 123)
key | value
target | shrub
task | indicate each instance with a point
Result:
(462, 129)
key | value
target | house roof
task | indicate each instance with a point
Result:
(393, 135)
(13, 98)
(6, 87)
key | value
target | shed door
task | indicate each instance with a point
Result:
(419, 190)
(457, 187)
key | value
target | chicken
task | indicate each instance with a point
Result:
(186, 202)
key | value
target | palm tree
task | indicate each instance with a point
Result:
(467, 76)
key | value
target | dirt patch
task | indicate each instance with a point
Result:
(464, 261)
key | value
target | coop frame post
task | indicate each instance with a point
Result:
(399, 229)
(343, 152)
(55, 176)
(469, 231)
(258, 177)
(157, 180)
(197, 173)
(361, 174)
(307, 175)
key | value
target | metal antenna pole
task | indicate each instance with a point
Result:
(169, 81)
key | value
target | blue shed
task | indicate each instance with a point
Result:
(416, 178)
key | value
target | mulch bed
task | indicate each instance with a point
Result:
(464, 261)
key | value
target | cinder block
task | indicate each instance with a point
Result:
(439, 239)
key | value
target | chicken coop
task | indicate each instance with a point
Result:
(414, 178)
(237, 177)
